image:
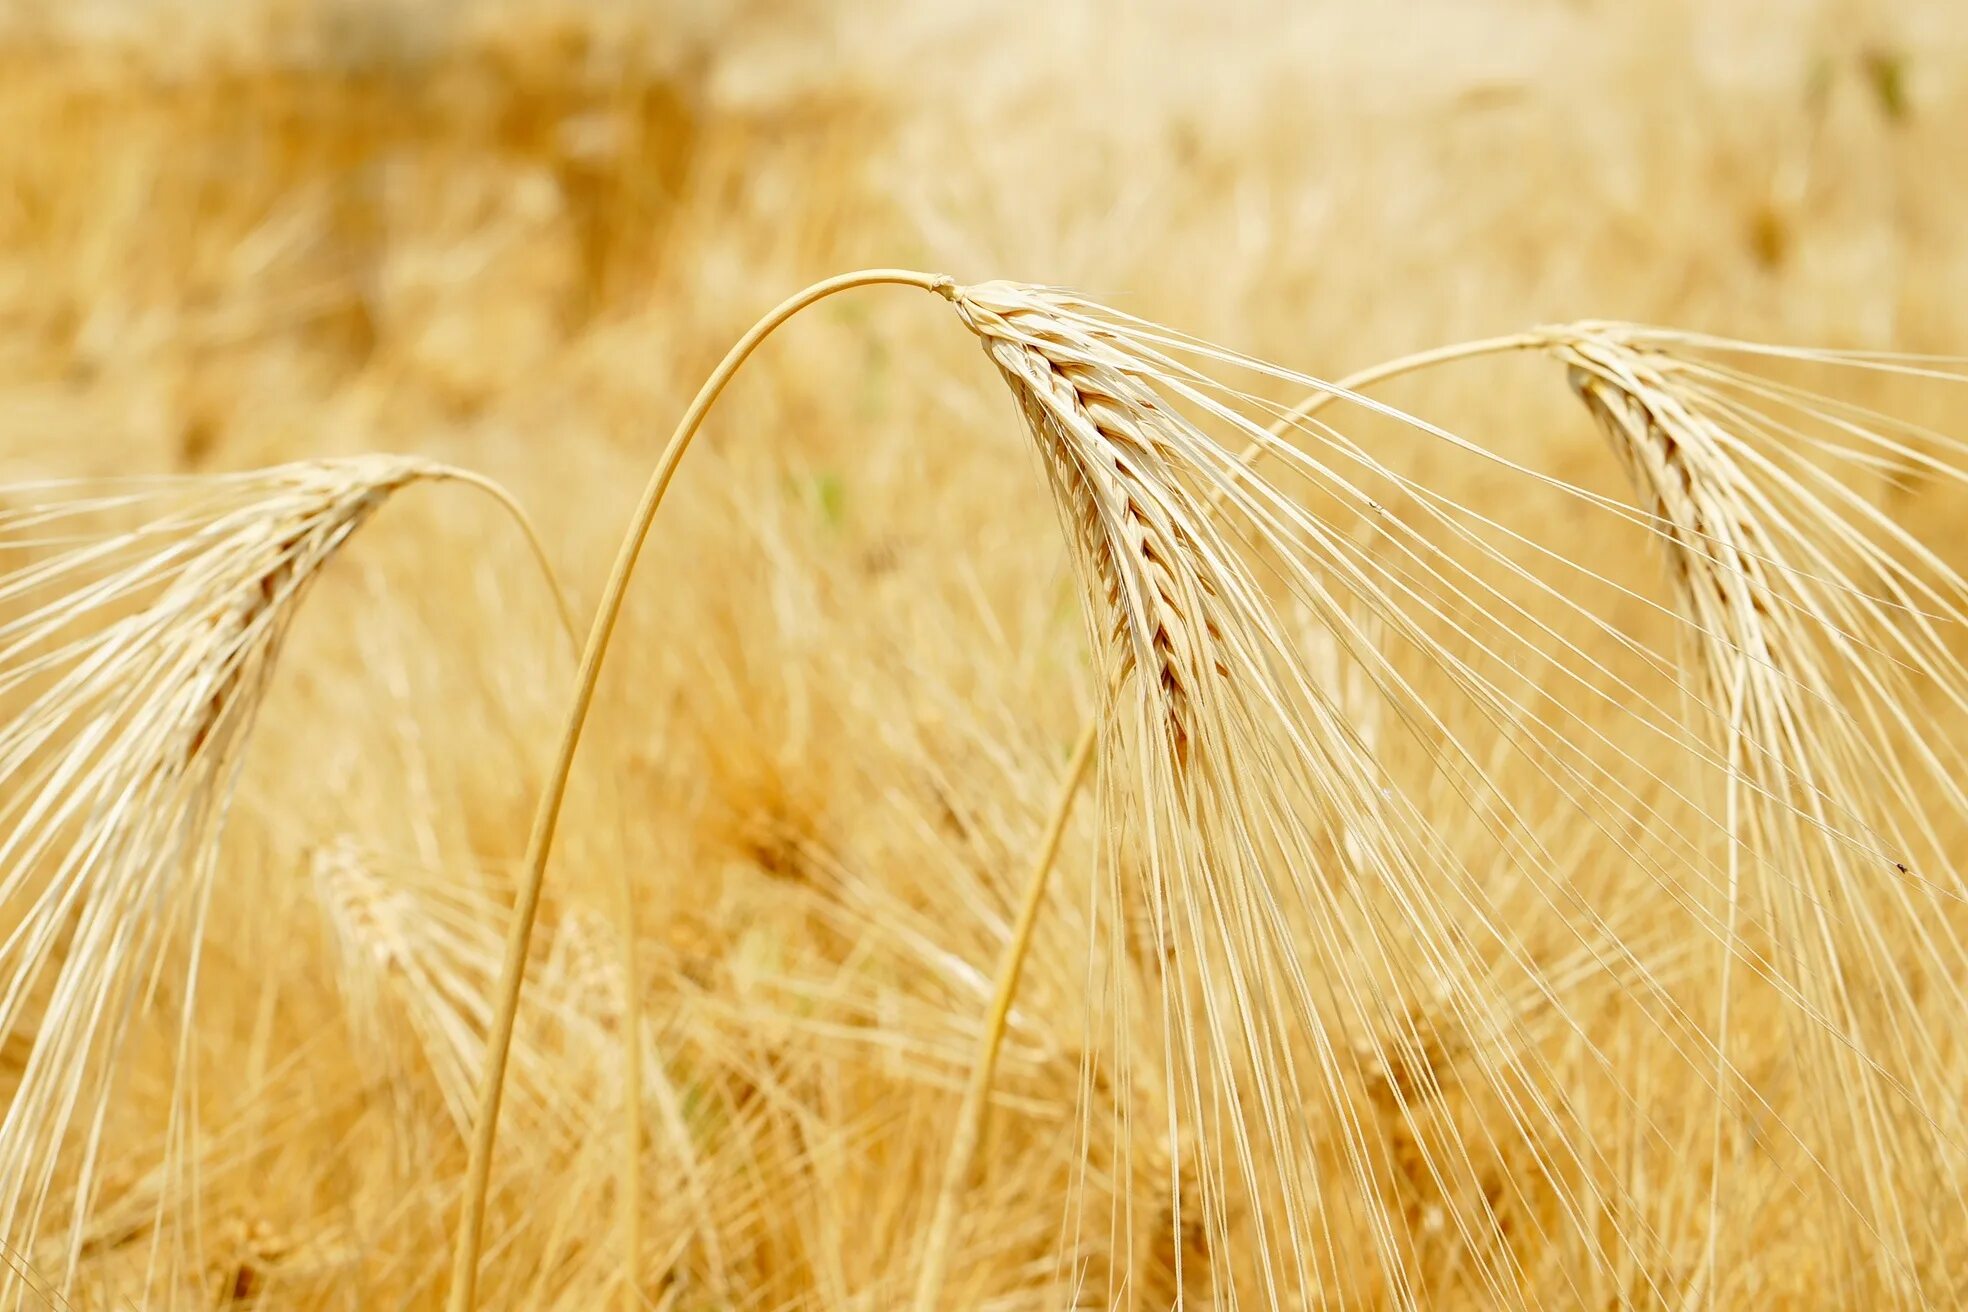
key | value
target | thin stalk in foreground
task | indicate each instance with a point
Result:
(546, 819)
(975, 1111)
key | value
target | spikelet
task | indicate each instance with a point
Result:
(1112, 456)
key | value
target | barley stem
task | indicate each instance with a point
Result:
(563, 609)
(546, 819)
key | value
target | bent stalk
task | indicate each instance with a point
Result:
(546, 819)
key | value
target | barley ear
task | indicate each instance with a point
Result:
(1796, 597)
(134, 661)
(974, 1112)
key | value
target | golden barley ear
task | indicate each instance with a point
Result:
(1233, 767)
(1817, 628)
(139, 625)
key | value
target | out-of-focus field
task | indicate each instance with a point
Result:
(516, 236)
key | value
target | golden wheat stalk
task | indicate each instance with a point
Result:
(1132, 477)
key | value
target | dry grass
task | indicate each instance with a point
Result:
(1516, 871)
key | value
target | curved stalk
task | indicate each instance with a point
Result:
(563, 609)
(546, 819)
(975, 1110)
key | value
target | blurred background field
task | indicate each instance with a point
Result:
(516, 235)
(249, 230)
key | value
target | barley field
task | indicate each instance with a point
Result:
(1319, 660)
